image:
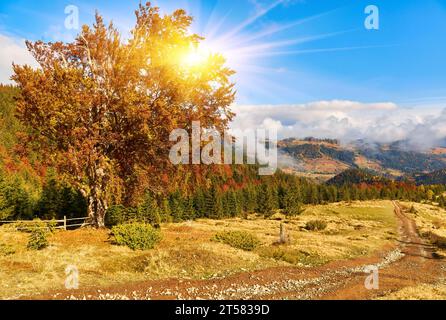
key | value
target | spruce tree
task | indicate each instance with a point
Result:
(292, 203)
(231, 204)
(249, 199)
(189, 209)
(265, 200)
(149, 211)
(274, 196)
(239, 202)
(6, 208)
(50, 200)
(71, 204)
(199, 200)
(165, 213)
(214, 204)
(176, 206)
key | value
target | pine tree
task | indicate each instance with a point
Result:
(71, 204)
(225, 204)
(165, 213)
(148, 211)
(50, 200)
(176, 206)
(292, 203)
(281, 192)
(231, 204)
(249, 199)
(265, 200)
(189, 209)
(239, 202)
(274, 196)
(346, 196)
(18, 199)
(313, 195)
(214, 204)
(199, 200)
(6, 208)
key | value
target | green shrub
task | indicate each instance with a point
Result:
(238, 239)
(136, 236)
(6, 250)
(316, 225)
(37, 239)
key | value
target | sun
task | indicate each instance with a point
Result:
(196, 56)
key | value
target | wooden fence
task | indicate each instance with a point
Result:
(60, 224)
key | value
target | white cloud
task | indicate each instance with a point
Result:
(12, 50)
(348, 121)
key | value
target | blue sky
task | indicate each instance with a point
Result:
(320, 49)
(305, 67)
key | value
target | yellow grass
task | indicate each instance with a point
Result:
(430, 219)
(187, 250)
(421, 292)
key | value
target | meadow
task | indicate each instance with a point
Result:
(189, 250)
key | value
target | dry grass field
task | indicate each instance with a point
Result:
(187, 250)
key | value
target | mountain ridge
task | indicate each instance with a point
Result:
(325, 158)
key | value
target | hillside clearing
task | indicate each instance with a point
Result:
(188, 252)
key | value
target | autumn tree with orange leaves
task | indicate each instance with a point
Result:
(100, 109)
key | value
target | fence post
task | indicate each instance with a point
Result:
(65, 223)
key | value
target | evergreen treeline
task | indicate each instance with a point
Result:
(265, 196)
(221, 199)
(53, 201)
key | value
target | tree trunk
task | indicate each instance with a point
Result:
(97, 195)
(97, 207)
(97, 199)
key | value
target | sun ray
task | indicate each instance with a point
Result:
(298, 52)
(216, 21)
(262, 49)
(279, 28)
(246, 51)
(252, 19)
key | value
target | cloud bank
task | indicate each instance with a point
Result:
(12, 50)
(348, 121)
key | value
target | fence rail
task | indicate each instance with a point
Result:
(64, 222)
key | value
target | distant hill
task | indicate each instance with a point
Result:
(356, 176)
(436, 177)
(328, 157)
(398, 156)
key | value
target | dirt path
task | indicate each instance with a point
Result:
(418, 265)
(410, 263)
